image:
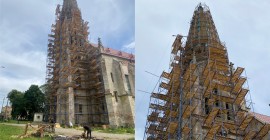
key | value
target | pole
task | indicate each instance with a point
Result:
(3, 104)
(6, 110)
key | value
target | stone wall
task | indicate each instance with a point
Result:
(118, 77)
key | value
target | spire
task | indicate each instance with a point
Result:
(68, 7)
(202, 26)
(202, 33)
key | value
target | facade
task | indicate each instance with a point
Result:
(203, 94)
(88, 83)
(6, 112)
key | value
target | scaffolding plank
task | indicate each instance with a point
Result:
(245, 122)
(177, 44)
(158, 107)
(211, 116)
(241, 96)
(217, 50)
(164, 85)
(188, 111)
(172, 127)
(153, 116)
(189, 71)
(188, 84)
(209, 89)
(237, 73)
(208, 78)
(263, 131)
(239, 85)
(213, 130)
(207, 68)
(160, 96)
(250, 135)
(166, 75)
(152, 129)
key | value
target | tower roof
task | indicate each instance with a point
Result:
(67, 8)
(202, 28)
(202, 35)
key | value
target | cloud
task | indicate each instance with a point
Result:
(130, 48)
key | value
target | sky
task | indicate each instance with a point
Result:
(243, 25)
(25, 25)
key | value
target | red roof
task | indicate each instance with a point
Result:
(117, 53)
(262, 117)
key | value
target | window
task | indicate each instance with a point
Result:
(217, 103)
(215, 91)
(38, 117)
(223, 132)
(80, 108)
(206, 106)
(112, 77)
(115, 95)
(128, 84)
(230, 116)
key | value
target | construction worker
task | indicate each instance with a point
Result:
(87, 131)
(51, 121)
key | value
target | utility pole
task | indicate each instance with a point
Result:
(2, 67)
(6, 110)
(3, 104)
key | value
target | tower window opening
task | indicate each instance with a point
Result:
(215, 91)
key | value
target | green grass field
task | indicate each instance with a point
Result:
(8, 132)
(115, 130)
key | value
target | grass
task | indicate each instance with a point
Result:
(8, 132)
(16, 122)
(115, 130)
(125, 130)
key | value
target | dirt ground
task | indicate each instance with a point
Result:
(96, 135)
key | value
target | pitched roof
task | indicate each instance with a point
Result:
(262, 117)
(116, 53)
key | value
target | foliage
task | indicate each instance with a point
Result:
(34, 101)
(18, 103)
(24, 105)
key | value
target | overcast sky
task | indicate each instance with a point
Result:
(243, 25)
(25, 25)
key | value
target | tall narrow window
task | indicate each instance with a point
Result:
(116, 96)
(128, 84)
(112, 77)
(80, 108)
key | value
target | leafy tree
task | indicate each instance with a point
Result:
(34, 101)
(17, 101)
(24, 105)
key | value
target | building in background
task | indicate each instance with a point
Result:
(88, 83)
(203, 96)
(6, 112)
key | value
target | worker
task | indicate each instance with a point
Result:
(51, 121)
(87, 131)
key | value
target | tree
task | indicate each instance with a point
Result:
(34, 101)
(17, 101)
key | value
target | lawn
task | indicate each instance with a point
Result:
(115, 130)
(8, 132)
(16, 122)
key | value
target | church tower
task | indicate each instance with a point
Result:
(203, 95)
(76, 93)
